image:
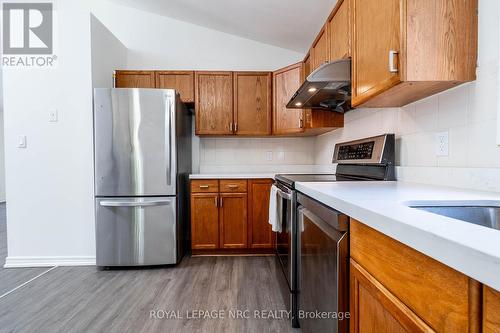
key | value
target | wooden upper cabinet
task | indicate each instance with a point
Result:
(377, 41)
(286, 81)
(204, 221)
(233, 221)
(182, 81)
(135, 79)
(252, 103)
(320, 49)
(307, 65)
(214, 103)
(339, 31)
(403, 51)
(260, 234)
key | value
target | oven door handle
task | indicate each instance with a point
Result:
(286, 196)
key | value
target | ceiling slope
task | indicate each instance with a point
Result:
(290, 24)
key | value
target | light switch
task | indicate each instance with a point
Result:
(53, 115)
(21, 141)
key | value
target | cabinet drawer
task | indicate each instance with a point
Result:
(204, 185)
(233, 185)
(444, 298)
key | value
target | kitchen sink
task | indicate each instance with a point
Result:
(486, 216)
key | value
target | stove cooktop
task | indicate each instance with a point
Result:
(290, 179)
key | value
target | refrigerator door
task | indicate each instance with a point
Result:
(136, 231)
(134, 139)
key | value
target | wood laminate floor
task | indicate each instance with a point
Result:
(84, 299)
(11, 278)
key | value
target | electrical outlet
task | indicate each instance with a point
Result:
(442, 144)
(269, 155)
(280, 156)
(53, 115)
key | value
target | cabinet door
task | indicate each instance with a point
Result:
(135, 79)
(307, 65)
(320, 49)
(233, 221)
(339, 30)
(376, 36)
(182, 81)
(491, 310)
(375, 309)
(204, 221)
(252, 103)
(260, 233)
(285, 83)
(214, 103)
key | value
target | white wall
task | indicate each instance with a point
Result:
(2, 154)
(50, 183)
(107, 53)
(468, 113)
(158, 42)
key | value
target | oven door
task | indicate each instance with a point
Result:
(286, 248)
(323, 273)
(284, 239)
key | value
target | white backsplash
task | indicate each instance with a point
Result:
(252, 154)
(474, 157)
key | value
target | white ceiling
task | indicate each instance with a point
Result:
(290, 24)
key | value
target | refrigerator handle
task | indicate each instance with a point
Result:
(135, 203)
(169, 144)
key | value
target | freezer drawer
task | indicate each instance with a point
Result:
(136, 231)
(135, 142)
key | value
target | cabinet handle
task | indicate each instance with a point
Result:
(220, 202)
(392, 63)
(216, 200)
(232, 185)
(301, 123)
(236, 127)
(204, 186)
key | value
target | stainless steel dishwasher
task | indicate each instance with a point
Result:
(323, 272)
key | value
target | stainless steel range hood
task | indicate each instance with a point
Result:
(328, 87)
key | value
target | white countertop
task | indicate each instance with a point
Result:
(232, 175)
(466, 247)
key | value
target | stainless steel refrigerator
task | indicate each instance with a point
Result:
(142, 147)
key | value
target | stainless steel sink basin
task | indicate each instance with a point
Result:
(487, 216)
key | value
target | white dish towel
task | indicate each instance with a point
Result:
(274, 220)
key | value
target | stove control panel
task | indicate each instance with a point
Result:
(365, 151)
(359, 151)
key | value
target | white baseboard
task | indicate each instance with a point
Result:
(13, 262)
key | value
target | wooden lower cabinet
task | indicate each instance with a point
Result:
(233, 221)
(406, 289)
(491, 310)
(260, 233)
(233, 218)
(375, 309)
(204, 221)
